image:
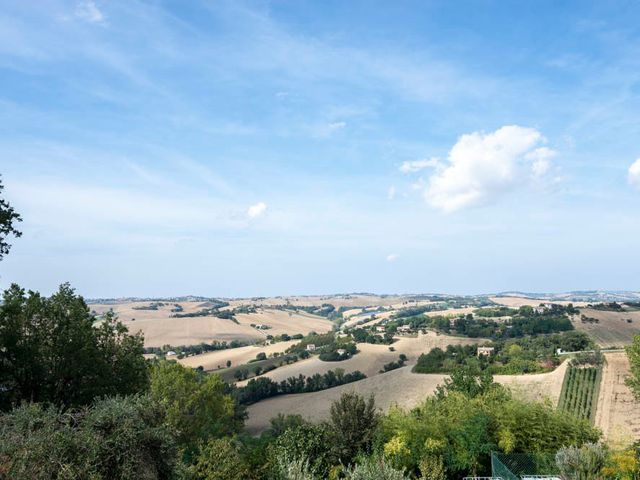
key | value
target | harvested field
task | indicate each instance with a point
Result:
(536, 387)
(160, 328)
(191, 331)
(355, 300)
(618, 414)
(237, 356)
(371, 358)
(613, 329)
(398, 387)
(516, 302)
(284, 321)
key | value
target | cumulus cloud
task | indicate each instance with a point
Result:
(482, 166)
(634, 174)
(417, 165)
(392, 257)
(88, 10)
(257, 210)
(541, 161)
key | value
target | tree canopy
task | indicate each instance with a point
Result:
(8, 220)
(53, 350)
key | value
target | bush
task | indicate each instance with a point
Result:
(219, 459)
(117, 438)
(375, 469)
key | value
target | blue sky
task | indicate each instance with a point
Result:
(297, 147)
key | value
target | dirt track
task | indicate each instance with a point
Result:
(617, 415)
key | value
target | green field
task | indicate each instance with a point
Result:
(580, 388)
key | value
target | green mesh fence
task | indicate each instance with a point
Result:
(514, 466)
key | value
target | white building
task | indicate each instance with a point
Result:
(341, 352)
(380, 328)
(311, 347)
(485, 351)
(404, 328)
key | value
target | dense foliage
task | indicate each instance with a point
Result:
(519, 323)
(115, 438)
(633, 353)
(53, 350)
(522, 355)
(258, 389)
(8, 220)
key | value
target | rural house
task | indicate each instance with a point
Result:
(311, 347)
(485, 351)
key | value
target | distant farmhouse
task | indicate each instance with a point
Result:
(485, 351)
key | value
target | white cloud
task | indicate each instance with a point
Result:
(326, 130)
(634, 174)
(257, 210)
(541, 161)
(391, 194)
(392, 257)
(88, 10)
(417, 165)
(483, 166)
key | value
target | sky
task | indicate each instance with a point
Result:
(232, 148)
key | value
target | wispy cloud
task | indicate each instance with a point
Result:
(257, 210)
(417, 165)
(392, 257)
(88, 11)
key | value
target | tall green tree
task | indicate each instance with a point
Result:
(353, 422)
(219, 459)
(8, 220)
(53, 350)
(198, 406)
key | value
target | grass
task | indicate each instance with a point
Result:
(580, 390)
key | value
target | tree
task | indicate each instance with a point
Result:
(281, 423)
(116, 438)
(198, 407)
(353, 423)
(582, 463)
(308, 446)
(53, 350)
(468, 381)
(633, 353)
(8, 219)
(219, 459)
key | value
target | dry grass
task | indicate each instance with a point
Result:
(395, 388)
(237, 356)
(613, 328)
(317, 300)
(160, 328)
(618, 414)
(371, 358)
(399, 387)
(284, 321)
(516, 302)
